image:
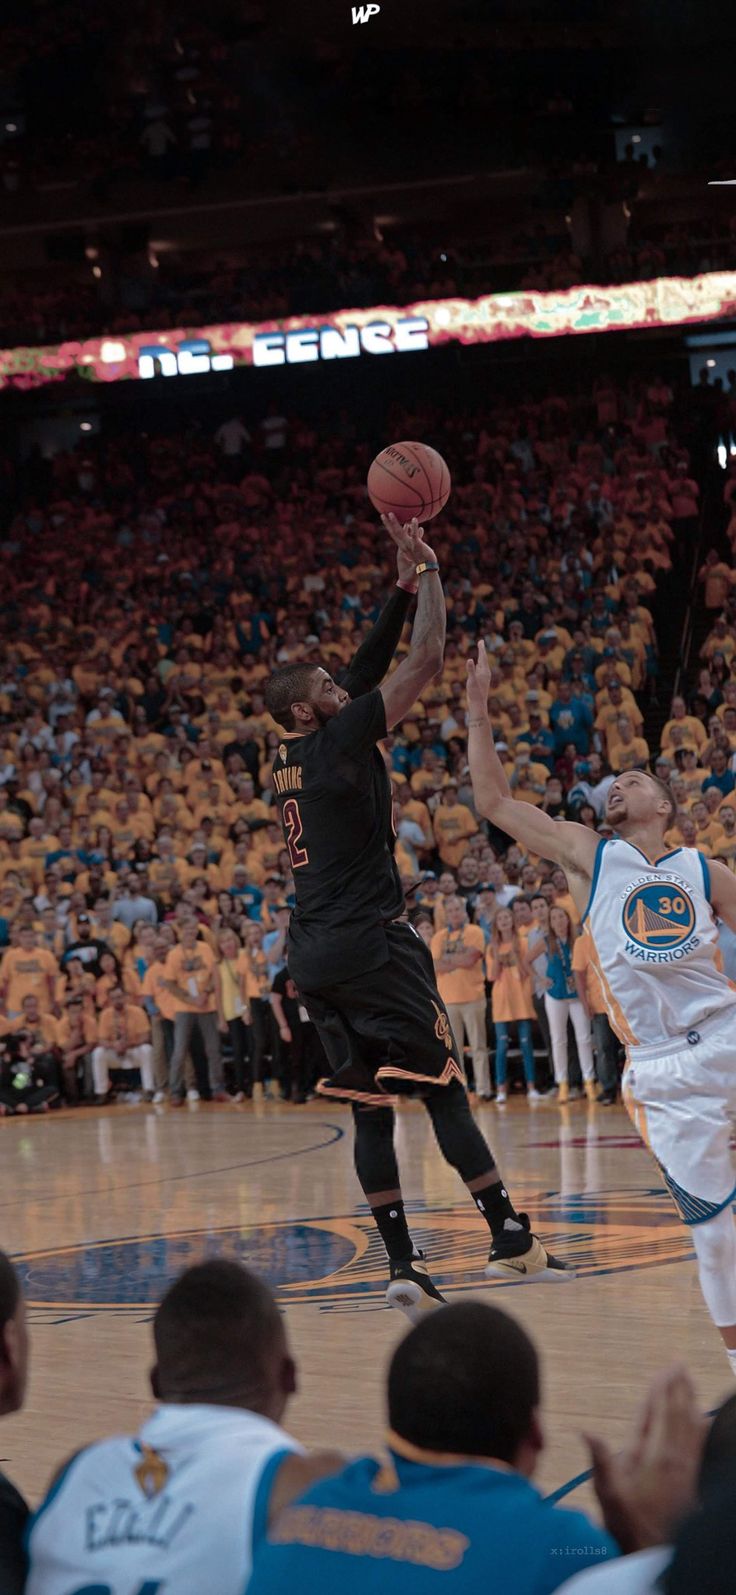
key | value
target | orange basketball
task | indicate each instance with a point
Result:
(409, 479)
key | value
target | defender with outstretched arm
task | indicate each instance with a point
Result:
(652, 914)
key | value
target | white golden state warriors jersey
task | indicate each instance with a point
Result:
(174, 1511)
(655, 943)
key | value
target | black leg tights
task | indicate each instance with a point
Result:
(458, 1137)
(375, 1154)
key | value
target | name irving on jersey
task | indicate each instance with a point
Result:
(288, 780)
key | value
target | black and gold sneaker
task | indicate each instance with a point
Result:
(517, 1255)
(410, 1288)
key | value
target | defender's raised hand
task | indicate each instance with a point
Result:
(478, 682)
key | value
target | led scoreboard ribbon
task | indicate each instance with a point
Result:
(381, 330)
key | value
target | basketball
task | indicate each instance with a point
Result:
(409, 479)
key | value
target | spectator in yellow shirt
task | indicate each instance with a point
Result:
(627, 752)
(241, 856)
(429, 777)
(719, 640)
(249, 806)
(683, 833)
(105, 928)
(528, 780)
(411, 808)
(692, 773)
(563, 897)
(717, 578)
(613, 704)
(447, 889)
(453, 824)
(217, 806)
(724, 846)
(232, 975)
(458, 958)
(197, 865)
(49, 932)
(34, 848)
(512, 1003)
(706, 829)
(693, 729)
(41, 1027)
(27, 969)
(76, 1035)
(190, 970)
(269, 845)
(123, 1042)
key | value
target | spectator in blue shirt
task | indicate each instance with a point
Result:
(571, 720)
(274, 942)
(599, 610)
(430, 742)
(352, 598)
(540, 740)
(720, 775)
(456, 1509)
(249, 896)
(529, 613)
(401, 758)
(577, 668)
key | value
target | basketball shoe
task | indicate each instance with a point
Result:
(411, 1288)
(518, 1255)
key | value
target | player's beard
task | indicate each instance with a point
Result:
(320, 716)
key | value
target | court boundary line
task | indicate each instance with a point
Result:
(201, 1174)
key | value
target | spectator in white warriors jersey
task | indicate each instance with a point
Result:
(182, 1504)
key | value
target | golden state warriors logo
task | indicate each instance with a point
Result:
(659, 917)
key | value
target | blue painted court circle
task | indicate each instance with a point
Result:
(137, 1271)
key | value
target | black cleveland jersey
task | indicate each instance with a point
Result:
(334, 799)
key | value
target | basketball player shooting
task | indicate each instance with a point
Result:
(652, 917)
(365, 976)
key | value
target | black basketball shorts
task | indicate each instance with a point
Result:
(386, 1032)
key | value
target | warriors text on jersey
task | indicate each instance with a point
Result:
(179, 1508)
(334, 799)
(655, 943)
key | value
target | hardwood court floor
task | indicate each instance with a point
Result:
(102, 1207)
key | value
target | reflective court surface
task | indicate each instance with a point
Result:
(102, 1208)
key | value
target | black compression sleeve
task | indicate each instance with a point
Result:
(374, 656)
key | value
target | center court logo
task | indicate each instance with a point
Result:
(337, 1263)
(659, 918)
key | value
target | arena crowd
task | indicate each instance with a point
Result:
(144, 884)
(157, 291)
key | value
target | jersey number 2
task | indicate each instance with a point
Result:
(293, 822)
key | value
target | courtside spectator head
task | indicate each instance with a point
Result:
(220, 1338)
(465, 1382)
